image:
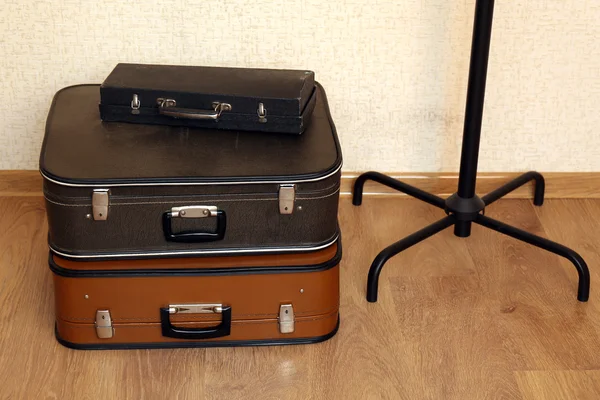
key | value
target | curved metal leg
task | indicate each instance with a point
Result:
(390, 251)
(540, 187)
(394, 184)
(583, 291)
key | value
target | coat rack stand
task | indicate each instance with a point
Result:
(464, 207)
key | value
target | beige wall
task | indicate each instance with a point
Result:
(395, 71)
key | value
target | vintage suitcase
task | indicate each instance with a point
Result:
(197, 302)
(248, 99)
(131, 190)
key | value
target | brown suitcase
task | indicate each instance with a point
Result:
(197, 302)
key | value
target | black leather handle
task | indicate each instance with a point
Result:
(192, 237)
(223, 329)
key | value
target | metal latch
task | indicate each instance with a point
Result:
(262, 113)
(135, 104)
(100, 204)
(286, 318)
(162, 102)
(104, 328)
(287, 195)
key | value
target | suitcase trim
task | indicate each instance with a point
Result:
(173, 345)
(113, 273)
(194, 253)
(300, 178)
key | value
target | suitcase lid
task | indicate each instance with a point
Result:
(281, 92)
(81, 150)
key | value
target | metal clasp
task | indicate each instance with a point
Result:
(104, 328)
(194, 211)
(286, 318)
(287, 196)
(262, 113)
(100, 202)
(135, 104)
(162, 102)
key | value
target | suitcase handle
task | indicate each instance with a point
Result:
(169, 330)
(168, 107)
(194, 212)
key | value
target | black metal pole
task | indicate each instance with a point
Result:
(482, 32)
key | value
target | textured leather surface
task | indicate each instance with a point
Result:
(134, 304)
(265, 329)
(80, 149)
(283, 92)
(71, 193)
(135, 225)
(228, 120)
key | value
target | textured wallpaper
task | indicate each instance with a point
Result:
(395, 71)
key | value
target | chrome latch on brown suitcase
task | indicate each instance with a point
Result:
(104, 328)
(286, 318)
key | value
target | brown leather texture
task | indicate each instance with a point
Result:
(246, 331)
(134, 302)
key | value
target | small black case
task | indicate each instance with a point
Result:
(245, 99)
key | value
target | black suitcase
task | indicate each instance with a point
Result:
(266, 100)
(132, 190)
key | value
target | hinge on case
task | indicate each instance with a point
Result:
(286, 318)
(287, 196)
(100, 204)
(104, 328)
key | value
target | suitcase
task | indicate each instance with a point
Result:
(197, 302)
(119, 190)
(248, 99)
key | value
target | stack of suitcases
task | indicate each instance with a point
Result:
(193, 206)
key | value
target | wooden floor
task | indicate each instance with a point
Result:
(480, 318)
